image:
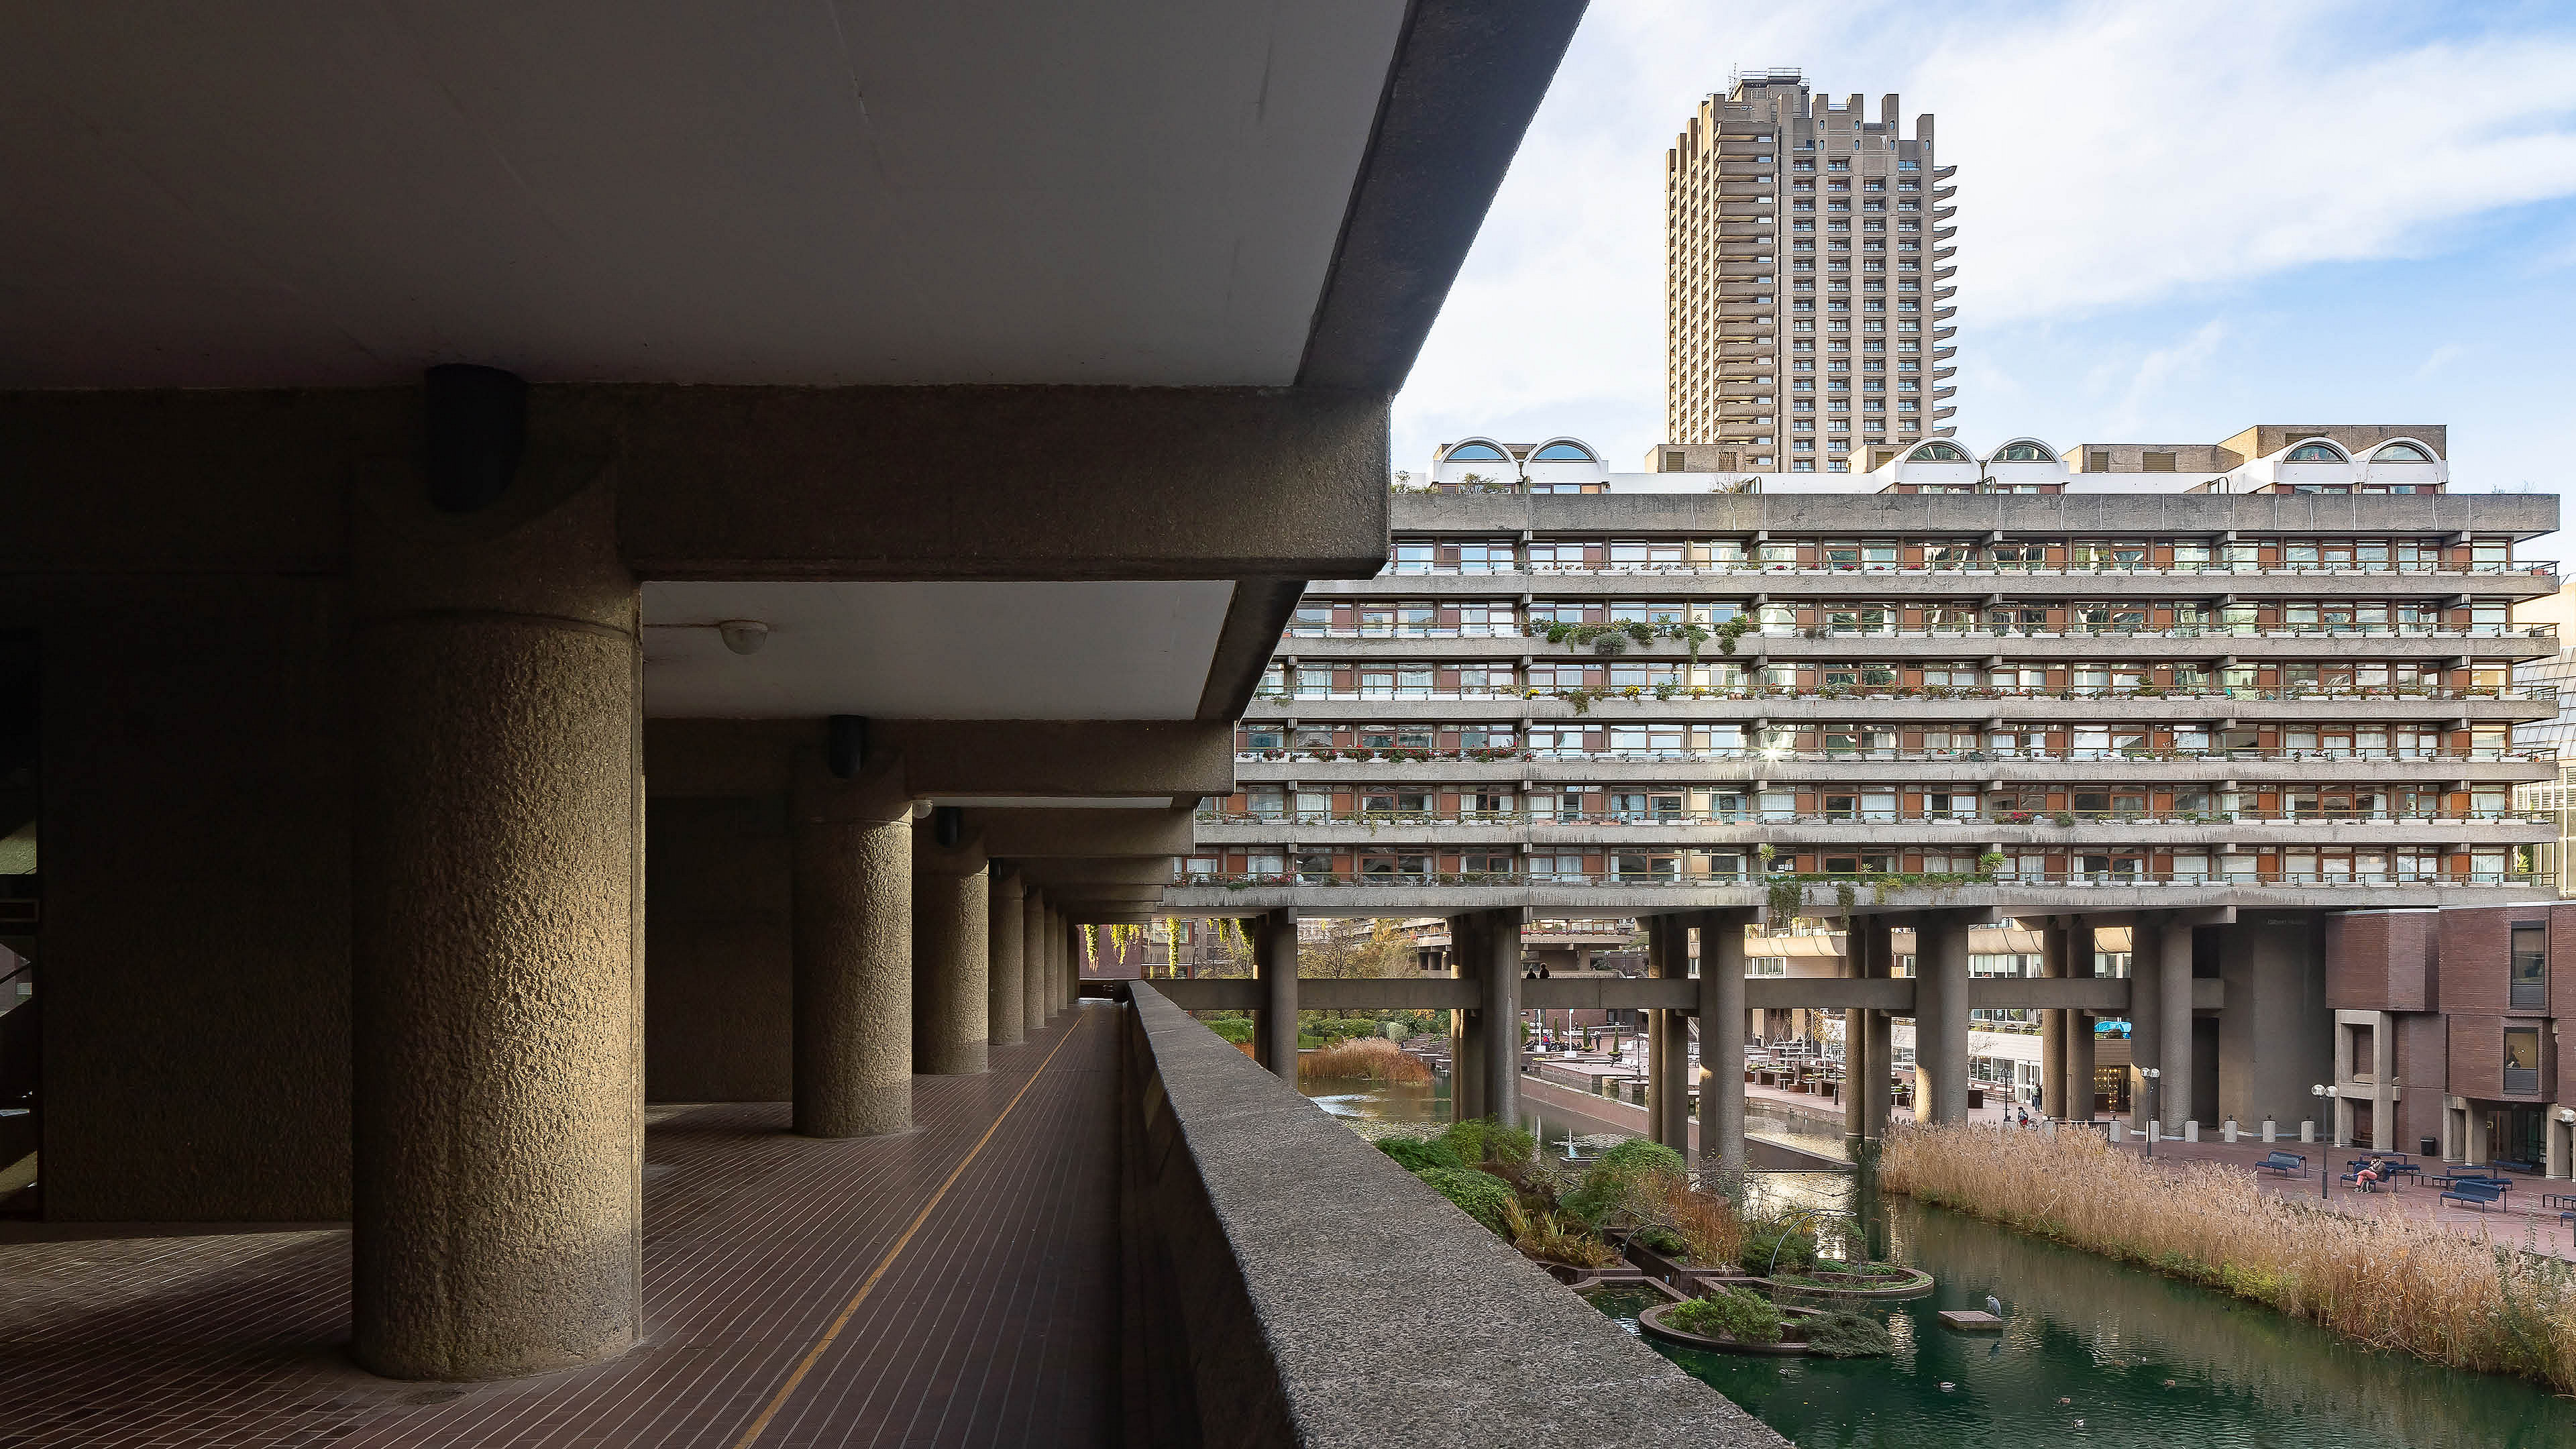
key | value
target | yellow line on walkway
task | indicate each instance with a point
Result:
(779, 1399)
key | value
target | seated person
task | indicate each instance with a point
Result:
(2373, 1171)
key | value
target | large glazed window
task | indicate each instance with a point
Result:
(2529, 981)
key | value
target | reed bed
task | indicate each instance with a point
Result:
(2384, 1279)
(1709, 1223)
(1362, 1059)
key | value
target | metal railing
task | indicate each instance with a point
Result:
(2072, 879)
(1712, 818)
(1729, 567)
(1968, 631)
(1666, 692)
(1768, 755)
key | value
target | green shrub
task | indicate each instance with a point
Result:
(1795, 1248)
(1733, 1313)
(1394, 1030)
(1480, 1195)
(1846, 1334)
(1417, 1155)
(1482, 1139)
(1307, 1042)
(1233, 1028)
(1611, 1182)
(1665, 1241)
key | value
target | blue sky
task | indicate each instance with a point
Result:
(2175, 220)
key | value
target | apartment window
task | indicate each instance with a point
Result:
(2529, 981)
(2155, 462)
(2522, 1060)
(2097, 460)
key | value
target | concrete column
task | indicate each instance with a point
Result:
(952, 963)
(2146, 1021)
(1466, 1028)
(851, 843)
(496, 934)
(2078, 1085)
(1941, 1017)
(1856, 1063)
(1502, 1016)
(1667, 1049)
(2276, 1033)
(2383, 1088)
(1074, 955)
(2174, 1044)
(2052, 1024)
(1275, 958)
(1033, 961)
(1721, 1040)
(1874, 1091)
(1005, 998)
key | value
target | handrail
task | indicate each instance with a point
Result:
(2527, 693)
(1393, 818)
(1407, 755)
(1415, 880)
(1973, 631)
(1722, 567)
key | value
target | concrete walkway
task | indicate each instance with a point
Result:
(796, 1295)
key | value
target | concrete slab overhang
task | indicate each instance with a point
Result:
(1037, 759)
(1039, 833)
(1088, 876)
(1609, 902)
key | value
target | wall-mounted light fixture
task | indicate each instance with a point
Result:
(743, 636)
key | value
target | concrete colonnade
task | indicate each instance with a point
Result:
(1941, 1017)
(851, 843)
(1033, 958)
(951, 951)
(496, 933)
(1005, 996)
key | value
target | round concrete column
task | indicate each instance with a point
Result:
(495, 930)
(1033, 957)
(951, 958)
(1941, 1017)
(2053, 948)
(2146, 1020)
(2174, 1044)
(1005, 995)
(1721, 1040)
(1467, 958)
(1274, 962)
(852, 847)
(1501, 941)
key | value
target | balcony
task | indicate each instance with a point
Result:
(1696, 830)
(1743, 767)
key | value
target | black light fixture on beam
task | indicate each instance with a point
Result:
(947, 826)
(845, 745)
(474, 431)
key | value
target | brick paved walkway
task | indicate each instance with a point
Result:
(996, 1323)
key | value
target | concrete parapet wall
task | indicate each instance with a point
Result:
(1257, 1231)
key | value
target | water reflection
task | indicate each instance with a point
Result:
(2109, 1339)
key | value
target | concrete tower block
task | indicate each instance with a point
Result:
(496, 930)
(951, 955)
(1005, 999)
(852, 841)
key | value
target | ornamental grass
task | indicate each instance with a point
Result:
(1362, 1059)
(2382, 1278)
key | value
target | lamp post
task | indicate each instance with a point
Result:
(2152, 1074)
(2325, 1095)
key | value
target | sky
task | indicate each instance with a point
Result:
(2176, 219)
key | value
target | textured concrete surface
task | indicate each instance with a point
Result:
(1006, 939)
(497, 937)
(853, 944)
(1314, 1230)
(196, 868)
(717, 959)
(951, 956)
(1033, 1012)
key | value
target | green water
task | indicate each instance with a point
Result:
(2108, 1339)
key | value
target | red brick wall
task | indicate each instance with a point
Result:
(2423, 1056)
(2476, 952)
(2379, 960)
(2476, 1049)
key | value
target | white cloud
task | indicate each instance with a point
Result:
(2109, 155)
(2439, 358)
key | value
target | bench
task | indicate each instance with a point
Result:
(2389, 1180)
(2528, 1169)
(2474, 1194)
(2288, 1164)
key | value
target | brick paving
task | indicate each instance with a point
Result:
(995, 1323)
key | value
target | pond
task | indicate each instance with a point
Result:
(2143, 1360)
(1430, 1105)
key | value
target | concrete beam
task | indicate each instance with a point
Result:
(990, 482)
(1071, 876)
(1040, 833)
(2103, 996)
(1036, 758)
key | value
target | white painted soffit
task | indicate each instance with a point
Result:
(823, 192)
(1137, 650)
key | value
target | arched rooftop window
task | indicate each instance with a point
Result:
(2401, 453)
(1560, 453)
(1475, 453)
(2315, 453)
(1940, 453)
(2023, 453)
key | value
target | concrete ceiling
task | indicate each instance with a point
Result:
(1072, 650)
(1098, 191)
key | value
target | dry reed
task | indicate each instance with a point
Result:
(1709, 1223)
(1362, 1059)
(2386, 1279)
(1553, 1239)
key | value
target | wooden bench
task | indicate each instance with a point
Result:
(2288, 1164)
(2477, 1194)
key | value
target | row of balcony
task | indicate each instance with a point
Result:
(1836, 831)
(1750, 769)
(2178, 696)
(1402, 879)
(1769, 634)
(1774, 754)
(2546, 571)
(2336, 819)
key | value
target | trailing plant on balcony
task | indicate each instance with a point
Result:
(1732, 630)
(1579, 699)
